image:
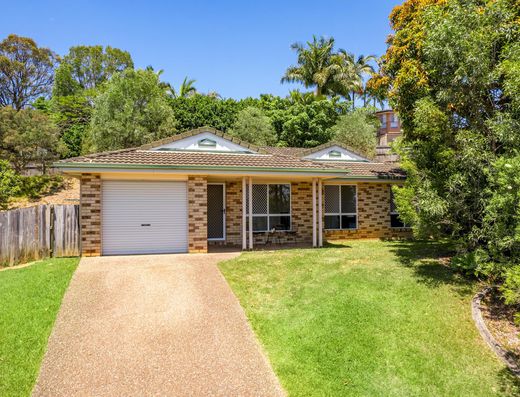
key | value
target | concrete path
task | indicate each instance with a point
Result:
(161, 325)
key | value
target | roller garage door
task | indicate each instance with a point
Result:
(144, 217)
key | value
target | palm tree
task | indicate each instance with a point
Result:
(186, 89)
(362, 68)
(304, 98)
(320, 67)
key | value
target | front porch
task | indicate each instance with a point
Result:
(255, 213)
(250, 213)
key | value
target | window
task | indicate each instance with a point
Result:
(334, 154)
(394, 122)
(383, 121)
(395, 221)
(271, 207)
(340, 207)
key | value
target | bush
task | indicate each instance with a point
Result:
(511, 288)
(9, 184)
(34, 187)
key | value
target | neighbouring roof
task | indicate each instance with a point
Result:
(260, 158)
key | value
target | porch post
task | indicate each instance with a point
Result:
(320, 215)
(250, 213)
(314, 243)
(244, 215)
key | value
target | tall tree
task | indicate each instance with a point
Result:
(453, 70)
(320, 67)
(26, 71)
(86, 67)
(132, 110)
(363, 68)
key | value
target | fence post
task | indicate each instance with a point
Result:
(51, 228)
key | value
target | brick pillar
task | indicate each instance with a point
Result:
(301, 195)
(90, 215)
(197, 214)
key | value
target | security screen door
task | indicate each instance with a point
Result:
(216, 211)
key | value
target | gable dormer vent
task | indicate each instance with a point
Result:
(207, 143)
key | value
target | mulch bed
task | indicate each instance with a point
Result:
(499, 320)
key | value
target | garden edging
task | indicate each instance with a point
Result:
(476, 313)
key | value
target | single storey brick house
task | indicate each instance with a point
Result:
(203, 188)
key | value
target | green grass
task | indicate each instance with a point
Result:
(29, 301)
(367, 318)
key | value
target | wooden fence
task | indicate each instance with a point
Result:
(38, 232)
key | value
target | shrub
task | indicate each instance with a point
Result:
(37, 186)
(511, 288)
(9, 184)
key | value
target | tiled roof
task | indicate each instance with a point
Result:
(381, 170)
(308, 151)
(268, 158)
(187, 158)
(283, 151)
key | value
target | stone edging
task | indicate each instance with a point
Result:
(476, 313)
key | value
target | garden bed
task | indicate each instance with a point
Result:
(499, 319)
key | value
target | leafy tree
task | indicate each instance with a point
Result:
(87, 67)
(253, 126)
(202, 110)
(72, 116)
(357, 130)
(27, 136)
(453, 73)
(301, 124)
(26, 71)
(9, 184)
(329, 72)
(132, 110)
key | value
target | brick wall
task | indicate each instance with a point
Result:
(234, 213)
(301, 203)
(197, 214)
(373, 215)
(90, 213)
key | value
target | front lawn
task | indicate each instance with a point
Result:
(29, 301)
(367, 318)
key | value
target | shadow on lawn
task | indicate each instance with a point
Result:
(429, 260)
(509, 383)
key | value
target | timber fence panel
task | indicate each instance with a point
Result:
(66, 230)
(28, 234)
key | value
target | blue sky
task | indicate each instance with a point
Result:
(236, 48)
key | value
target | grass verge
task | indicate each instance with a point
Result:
(30, 298)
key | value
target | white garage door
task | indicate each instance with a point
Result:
(141, 217)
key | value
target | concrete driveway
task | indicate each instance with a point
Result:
(153, 325)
